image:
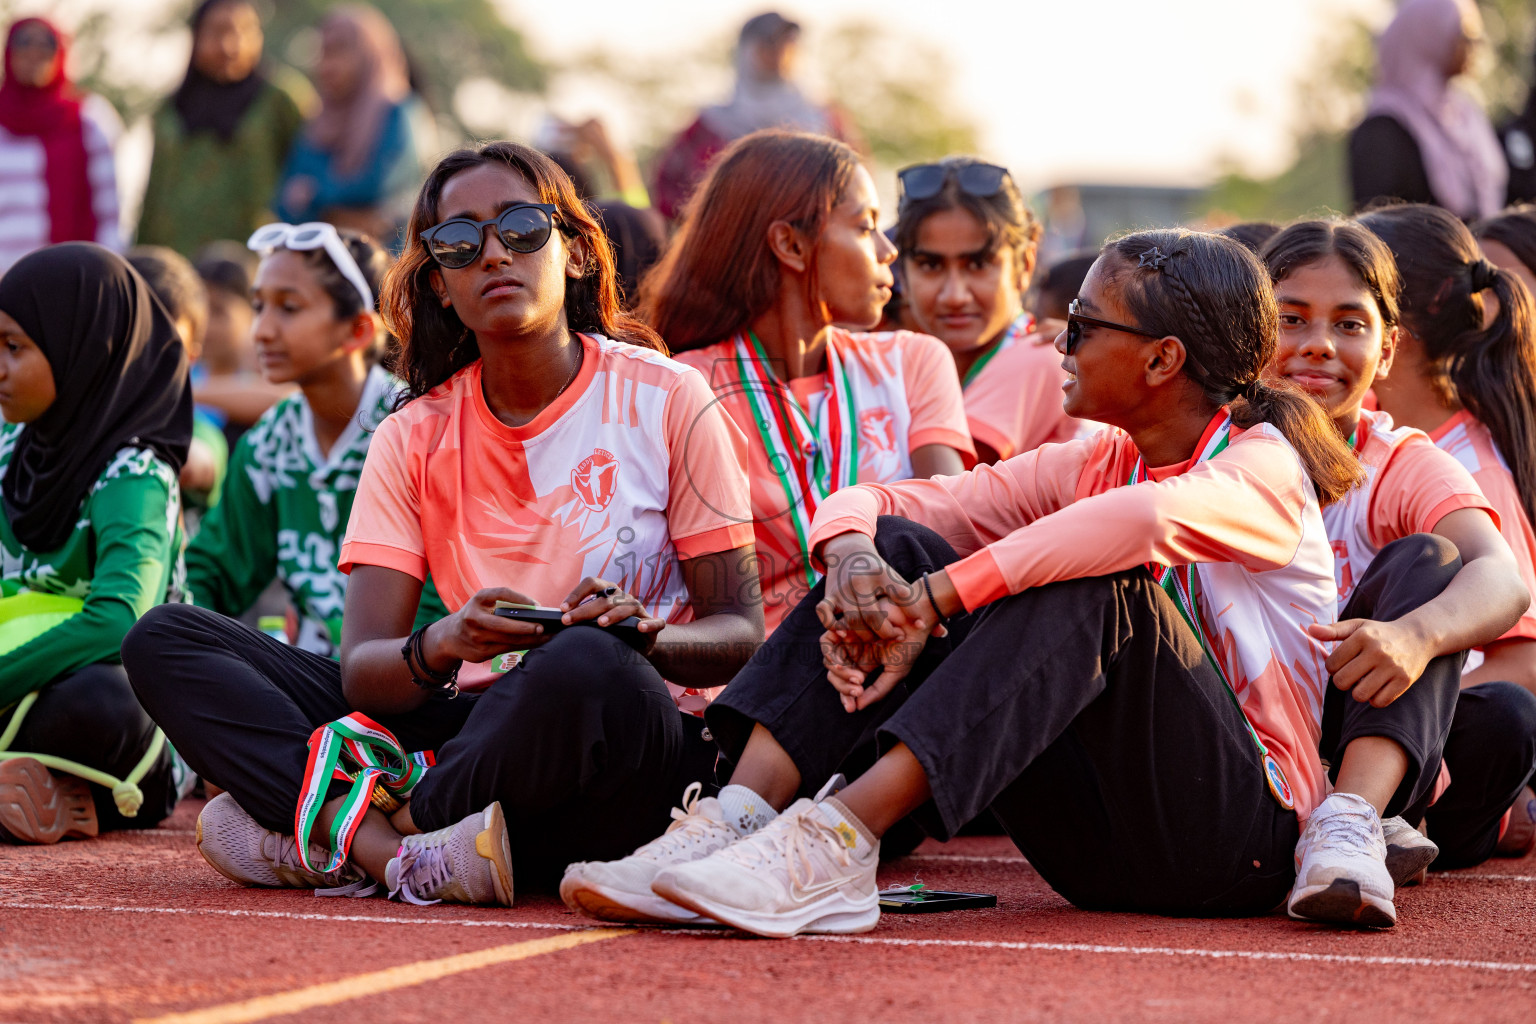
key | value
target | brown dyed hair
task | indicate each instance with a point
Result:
(1214, 295)
(719, 274)
(434, 343)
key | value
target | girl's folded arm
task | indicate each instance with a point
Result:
(1244, 507)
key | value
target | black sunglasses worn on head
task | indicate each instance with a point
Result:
(1077, 321)
(924, 181)
(525, 228)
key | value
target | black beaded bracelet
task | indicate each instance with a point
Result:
(444, 684)
(928, 589)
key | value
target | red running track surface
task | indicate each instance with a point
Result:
(135, 925)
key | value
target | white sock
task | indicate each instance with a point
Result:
(745, 811)
(853, 831)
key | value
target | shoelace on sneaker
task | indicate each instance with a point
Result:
(1346, 830)
(283, 850)
(791, 839)
(428, 862)
(688, 828)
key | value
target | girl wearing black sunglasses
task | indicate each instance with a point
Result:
(1102, 640)
(548, 457)
(967, 244)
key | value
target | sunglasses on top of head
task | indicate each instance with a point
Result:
(1077, 321)
(523, 228)
(924, 181)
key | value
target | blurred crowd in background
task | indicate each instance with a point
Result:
(245, 139)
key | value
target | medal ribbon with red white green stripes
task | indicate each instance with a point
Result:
(1181, 583)
(374, 756)
(816, 458)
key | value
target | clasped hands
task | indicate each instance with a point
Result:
(876, 622)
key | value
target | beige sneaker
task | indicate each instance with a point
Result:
(38, 807)
(1341, 866)
(620, 890)
(1409, 852)
(240, 849)
(470, 862)
(809, 870)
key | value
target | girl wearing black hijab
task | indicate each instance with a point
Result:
(98, 419)
(222, 138)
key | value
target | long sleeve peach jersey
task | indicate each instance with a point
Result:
(1247, 519)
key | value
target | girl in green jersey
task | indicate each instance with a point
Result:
(98, 419)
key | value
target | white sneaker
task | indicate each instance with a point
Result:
(620, 890)
(239, 848)
(1341, 866)
(800, 873)
(1409, 852)
(470, 862)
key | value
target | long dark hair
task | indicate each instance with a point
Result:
(434, 343)
(1514, 229)
(1491, 372)
(1310, 241)
(719, 274)
(1212, 294)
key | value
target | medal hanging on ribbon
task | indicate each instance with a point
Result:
(810, 459)
(1181, 583)
(358, 750)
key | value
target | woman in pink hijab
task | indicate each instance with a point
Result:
(1424, 139)
(358, 162)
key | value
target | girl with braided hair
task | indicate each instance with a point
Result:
(1104, 641)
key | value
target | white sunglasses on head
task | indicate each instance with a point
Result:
(313, 235)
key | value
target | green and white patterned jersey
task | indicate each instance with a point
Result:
(122, 559)
(284, 512)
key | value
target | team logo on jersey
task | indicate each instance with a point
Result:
(877, 427)
(596, 480)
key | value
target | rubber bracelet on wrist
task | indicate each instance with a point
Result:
(928, 589)
(445, 684)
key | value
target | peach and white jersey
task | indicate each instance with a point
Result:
(1247, 519)
(1469, 442)
(1013, 400)
(629, 470)
(1410, 485)
(904, 394)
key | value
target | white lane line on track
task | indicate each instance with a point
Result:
(1459, 876)
(291, 916)
(1211, 954)
(863, 940)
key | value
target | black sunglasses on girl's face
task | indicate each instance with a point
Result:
(924, 181)
(1076, 322)
(456, 243)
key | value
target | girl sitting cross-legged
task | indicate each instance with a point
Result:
(549, 455)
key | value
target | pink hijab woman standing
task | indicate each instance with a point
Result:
(1424, 139)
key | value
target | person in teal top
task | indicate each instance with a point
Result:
(293, 475)
(98, 420)
(222, 138)
(358, 162)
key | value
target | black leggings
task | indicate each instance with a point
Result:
(1404, 575)
(1083, 713)
(581, 743)
(91, 717)
(1485, 735)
